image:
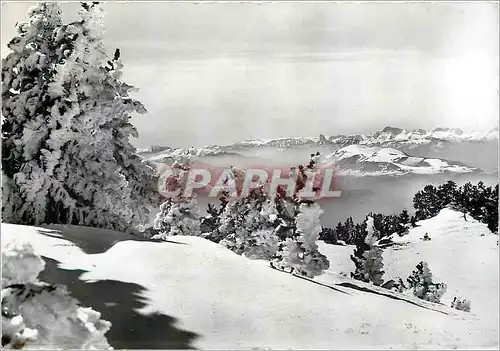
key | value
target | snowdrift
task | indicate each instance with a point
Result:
(228, 301)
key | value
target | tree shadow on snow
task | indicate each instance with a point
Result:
(118, 301)
(93, 240)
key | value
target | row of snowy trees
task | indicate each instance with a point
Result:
(370, 236)
(36, 314)
(350, 233)
(66, 151)
(282, 229)
(479, 201)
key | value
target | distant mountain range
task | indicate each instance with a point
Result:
(387, 137)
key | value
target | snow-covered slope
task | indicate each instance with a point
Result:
(461, 253)
(233, 302)
(362, 160)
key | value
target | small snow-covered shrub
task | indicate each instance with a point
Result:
(43, 315)
(399, 286)
(426, 237)
(462, 305)
(423, 287)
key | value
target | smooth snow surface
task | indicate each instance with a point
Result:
(233, 302)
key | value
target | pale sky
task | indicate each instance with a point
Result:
(215, 73)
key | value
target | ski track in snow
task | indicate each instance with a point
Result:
(233, 302)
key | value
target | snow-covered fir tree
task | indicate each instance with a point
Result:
(420, 281)
(299, 225)
(299, 253)
(367, 257)
(81, 168)
(26, 103)
(179, 214)
(36, 314)
(247, 225)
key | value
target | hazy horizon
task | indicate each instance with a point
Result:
(223, 72)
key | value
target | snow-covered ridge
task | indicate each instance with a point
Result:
(153, 149)
(387, 137)
(161, 154)
(421, 136)
(278, 142)
(379, 138)
(360, 160)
